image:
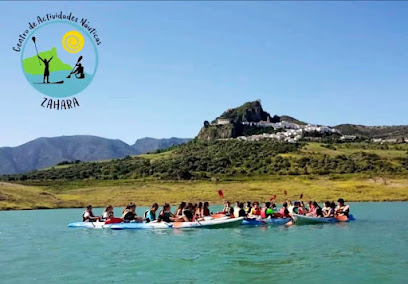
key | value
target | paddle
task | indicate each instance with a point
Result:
(272, 198)
(300, 197)
(167, 224)
(198, 222)
(221, 194)
(33, 38)
(79, 59)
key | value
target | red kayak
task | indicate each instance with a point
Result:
(113, 221)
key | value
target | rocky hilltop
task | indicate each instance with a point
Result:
(251, 122)
(248, 112)
(241, 121)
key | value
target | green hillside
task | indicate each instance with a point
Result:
(33, 66)
(383, 132)
(234, 159)
(195, 171)
(292, 120)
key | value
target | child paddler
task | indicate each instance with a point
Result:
(88, 216)
(342, 209)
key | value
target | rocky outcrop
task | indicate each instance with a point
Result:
(248, 112)
(232, 119)
(214, 132)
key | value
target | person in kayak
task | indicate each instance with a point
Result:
(129, 214)
(290, 207)
(188, 213)
(248, 207)
(241, 212)
(108, 213)
(194, 209)
(166, 215)
(206, 210)
(150, 215)
(342, 209)
(273, 206)
(88, 216)
(256, 210)
(302, 209)
(228, 210)
(180, 208)
(46, 68)
(327, 211)
(316, 210)
(311, 207)
(333, 206)
(294, 208)
(79, 71)
(267, 211)
(236, 209)
(284, 212)
(197, 212)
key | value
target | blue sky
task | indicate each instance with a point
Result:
(165, 67)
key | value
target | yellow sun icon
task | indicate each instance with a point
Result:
(73, 41)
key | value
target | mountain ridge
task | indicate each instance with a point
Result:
(46, 152)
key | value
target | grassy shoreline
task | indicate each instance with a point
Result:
(76, 194)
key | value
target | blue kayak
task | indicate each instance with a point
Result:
(267, 221)
(253, 222)
(277, 221)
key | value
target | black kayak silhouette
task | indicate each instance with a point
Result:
(59, 82)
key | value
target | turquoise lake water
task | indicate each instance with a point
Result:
(37, 246)
(70, 87)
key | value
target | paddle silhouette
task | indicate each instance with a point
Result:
(33, 38)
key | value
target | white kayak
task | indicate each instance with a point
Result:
(213, 224)
(90, 225)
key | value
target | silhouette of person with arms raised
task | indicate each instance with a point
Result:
(79, 71)
(46, 68)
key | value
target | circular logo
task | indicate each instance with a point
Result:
(59, 59)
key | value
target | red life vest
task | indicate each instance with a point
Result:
(263, 212)
(256, 212)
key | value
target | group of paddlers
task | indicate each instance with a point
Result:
(186, 212)
(189, 212)
(270, 210)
